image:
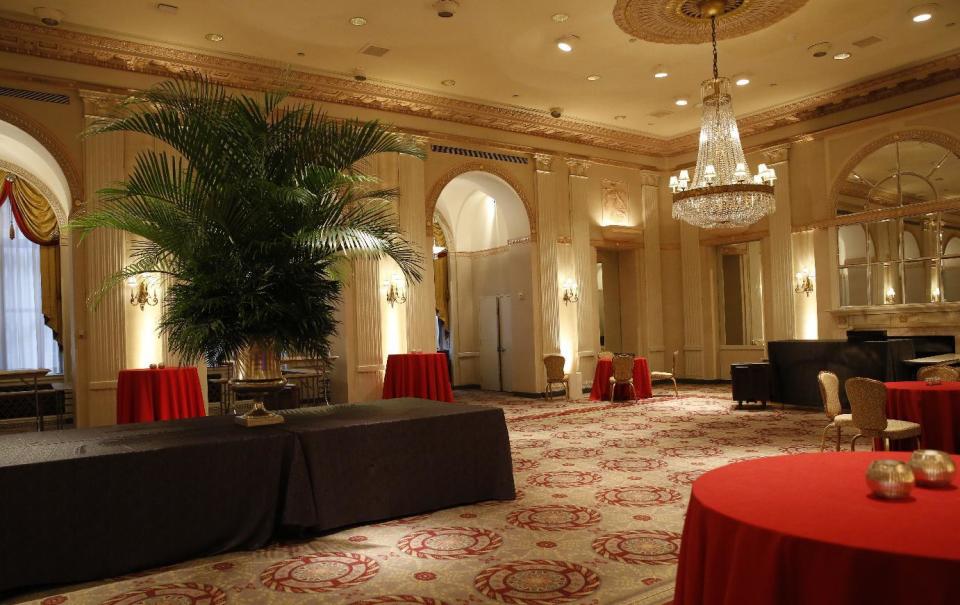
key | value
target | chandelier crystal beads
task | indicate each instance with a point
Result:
(723, 192)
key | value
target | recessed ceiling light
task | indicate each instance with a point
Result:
(560, 17)
(922, 13)
(842, 56)
(660, 72)
(681, 102)
(593, 77)
(566, 43)
(742, 81)
(620, 117)
(214, 37)
(358, 21)
(449, 82)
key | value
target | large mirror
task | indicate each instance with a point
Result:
(908, 259)
(741, 294)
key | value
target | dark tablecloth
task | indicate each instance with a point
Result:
(401, 457)
(421, 375)
(936, 408)
(601, 381)
(802, 529)
(86, 504)
(158, 394)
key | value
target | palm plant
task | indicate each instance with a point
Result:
(249, 216)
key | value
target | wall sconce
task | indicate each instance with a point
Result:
(570, 292)
(140, 294)
(891, 296)
(804, 283)
(396, 292)
(935, 295)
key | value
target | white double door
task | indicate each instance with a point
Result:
(496, 350)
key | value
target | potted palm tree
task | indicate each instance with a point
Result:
(248, 219)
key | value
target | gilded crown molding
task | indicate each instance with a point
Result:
(101, 51)
(681, 22)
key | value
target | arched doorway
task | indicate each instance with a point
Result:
(485, 307)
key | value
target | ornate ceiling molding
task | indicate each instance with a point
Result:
(681, 22)
(101, 51)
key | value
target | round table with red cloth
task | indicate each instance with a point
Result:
(936, 408)
(804, 529)
(601, 381)
(159, 394)
(422, 375)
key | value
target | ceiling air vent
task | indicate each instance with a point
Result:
(374, 51)
(34, 95)
(476, 153)
(660, 113)
(870, 41)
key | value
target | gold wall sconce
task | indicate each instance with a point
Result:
(803, 283)
(396, 291)
(570, 292)
(141, 294)
(935, 295)
(891, 296)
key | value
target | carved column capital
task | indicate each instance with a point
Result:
(777, 155)
(543, 162)
(649, 179)
(577, 168)
(100, 104)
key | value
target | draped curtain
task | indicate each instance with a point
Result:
(441, 281)
(30, 294)
(25, 340)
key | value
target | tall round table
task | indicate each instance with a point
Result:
(601, 381)
(159, 394)
(421, 375)
(803, 529)
(936, 408)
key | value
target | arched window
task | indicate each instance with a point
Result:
(896, 205)
(26, 339)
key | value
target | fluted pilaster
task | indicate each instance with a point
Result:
(653, 284)
(588, 328)
(781, 325)
(546, 192)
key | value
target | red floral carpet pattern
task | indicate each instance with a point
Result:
(601, 493)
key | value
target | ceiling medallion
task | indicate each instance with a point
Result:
(723, 193)
(688, 22)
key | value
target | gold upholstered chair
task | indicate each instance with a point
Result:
(622, 374)
(944, 373)
(555, 374)
(830, 394)
(671, 375)
(868, 402)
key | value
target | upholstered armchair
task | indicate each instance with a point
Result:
(868, 402)
(671, 375)
(622, 374)
(555, 375)
(830, 394)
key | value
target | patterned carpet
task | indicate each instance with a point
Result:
(602, 489)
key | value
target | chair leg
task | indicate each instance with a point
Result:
(676, 390)
(853, 442)
(917, 439)
(823, 439)
(886, 444)
(839, 435)
(633, 390)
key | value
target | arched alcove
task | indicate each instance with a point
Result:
(489, 261)
(28, 152)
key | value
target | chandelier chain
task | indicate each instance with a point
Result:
(713, 38)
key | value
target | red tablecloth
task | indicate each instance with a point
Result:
(601, 381)
(161, 394)
(802, 529)
(936, 408)
(421, 375)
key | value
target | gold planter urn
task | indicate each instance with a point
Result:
(258, 373)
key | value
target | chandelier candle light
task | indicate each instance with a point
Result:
(723, 192)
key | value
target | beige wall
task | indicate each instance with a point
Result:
(670, 269)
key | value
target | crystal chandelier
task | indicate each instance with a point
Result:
(723, 192)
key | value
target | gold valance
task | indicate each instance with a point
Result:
(31, 211)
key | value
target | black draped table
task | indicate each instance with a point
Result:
(93, 503)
